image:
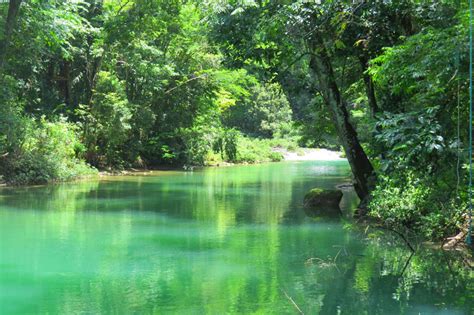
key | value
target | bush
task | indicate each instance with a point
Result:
(231, 138)
(197, 144)
(418, 159)
(415, 203)
(252, 150)
(48, 154)
(276, 156)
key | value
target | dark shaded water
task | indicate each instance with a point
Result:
(222, 240)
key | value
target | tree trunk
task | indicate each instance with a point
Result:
(360, 165)
(64, 82)
(13, 8)
(369, 86)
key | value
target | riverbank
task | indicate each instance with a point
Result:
(276, 153)
(300, 154)
(309, 154)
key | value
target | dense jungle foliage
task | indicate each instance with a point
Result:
(96, 84)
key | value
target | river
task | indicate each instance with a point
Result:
(213, 241)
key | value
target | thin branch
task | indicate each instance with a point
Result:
(335, 258)
(407, 263)
(401, 235)
(122, 7)
(292, 302)
(282, 73)
(186, 82)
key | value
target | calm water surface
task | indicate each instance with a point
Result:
(216, 241)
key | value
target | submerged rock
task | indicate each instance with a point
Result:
(322, 197)
(320, 202)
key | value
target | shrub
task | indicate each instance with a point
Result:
(197, 143)
(409, 201)
(276, 156)
(230, 144)
(251, 150)
(48, 154)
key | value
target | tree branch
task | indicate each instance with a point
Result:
(204, 75)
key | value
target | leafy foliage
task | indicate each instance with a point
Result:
(145, 83)
(265, 113)
(106, 122)
(415, 202)
(421, 142)
(48, 153)
(411, 140)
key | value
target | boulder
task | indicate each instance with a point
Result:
(322, 203)
(322, 198)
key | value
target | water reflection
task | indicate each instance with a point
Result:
(230, 240)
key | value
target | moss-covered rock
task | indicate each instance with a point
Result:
(317, 198)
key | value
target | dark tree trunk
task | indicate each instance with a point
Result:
(13, 8)
(360, 165)
(93, 63)
(65, 83)
(369, 86)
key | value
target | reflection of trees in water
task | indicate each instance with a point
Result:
(56, 197)
(390, 280)
(58, 205)
(223, 241)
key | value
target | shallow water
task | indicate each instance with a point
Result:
(220, 240)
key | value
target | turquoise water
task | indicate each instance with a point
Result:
(214, 241)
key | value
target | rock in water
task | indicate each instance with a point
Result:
(321, 198)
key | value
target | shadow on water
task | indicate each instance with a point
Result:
(228, 240)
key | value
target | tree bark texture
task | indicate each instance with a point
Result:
(369, 86)
(13, 8)
(360, 165)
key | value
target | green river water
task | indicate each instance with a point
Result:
(214, 241)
